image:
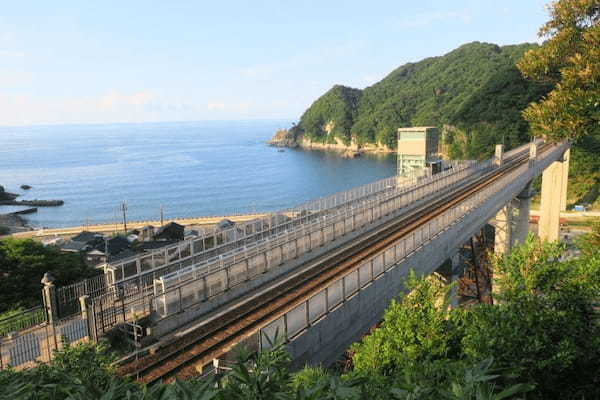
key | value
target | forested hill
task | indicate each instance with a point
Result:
(475, 92)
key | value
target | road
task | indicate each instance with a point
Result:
(118, 227)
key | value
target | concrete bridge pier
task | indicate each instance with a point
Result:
(554, 197)
(503, 234)
(451, 270)
(523, 206)
(503, 229)
(455, 274)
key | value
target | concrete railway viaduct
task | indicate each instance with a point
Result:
(319, 279)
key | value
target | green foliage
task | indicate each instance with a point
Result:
(259, 375)
(476, 88)
(4, 230)
(83, 368)
(569, 58)
(331, 115)
(23, 263)
(545, 331)
(18, 319)
(541, 339)
(590, 242)
(414, 331)
(309, 376)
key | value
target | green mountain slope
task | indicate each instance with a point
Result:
(475, 90)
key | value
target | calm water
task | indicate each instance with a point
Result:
(199, 168)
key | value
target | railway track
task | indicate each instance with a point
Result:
(217, 337)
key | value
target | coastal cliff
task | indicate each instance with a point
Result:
(286, 138)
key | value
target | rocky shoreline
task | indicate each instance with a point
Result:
(13, 220)
(285, 138)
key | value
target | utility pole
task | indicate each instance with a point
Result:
(124, 208)
(162, 214)
(116, 222)
(106, 255)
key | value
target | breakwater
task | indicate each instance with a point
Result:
(33, 203)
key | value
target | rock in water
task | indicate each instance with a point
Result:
(283, 138)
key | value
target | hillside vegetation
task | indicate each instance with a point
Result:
(475, 94)
(476, 89)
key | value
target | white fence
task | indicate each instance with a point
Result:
(188, 286)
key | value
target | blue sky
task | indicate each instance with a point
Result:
(134, 61)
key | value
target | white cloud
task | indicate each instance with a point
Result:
(216, 106)
(115, 99)
(6, 37)
(231, 107)
(258, 72)
(113, 106)
(11, 54)
(427, 19)
(11, 78)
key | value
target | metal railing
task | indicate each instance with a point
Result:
(184, 288)
(197, 283)
(28, 337)
(149, 266)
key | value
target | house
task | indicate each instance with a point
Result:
(117, 247)
(73, 246)
(150, 245)
(95, 257)
(82, 242)
(190, 233)
(171, 231)
(87, 237)
(144, 233)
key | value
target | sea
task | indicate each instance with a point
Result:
(186, 168)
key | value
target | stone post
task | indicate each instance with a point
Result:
(499, 155)
(83, 304)
(49, 296)
(50, 302)
(532, 154)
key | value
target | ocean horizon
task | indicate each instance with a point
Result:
(188, 168)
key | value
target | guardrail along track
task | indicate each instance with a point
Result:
(218, 336)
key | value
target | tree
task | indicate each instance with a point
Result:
(23, 263)
(569, 58)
